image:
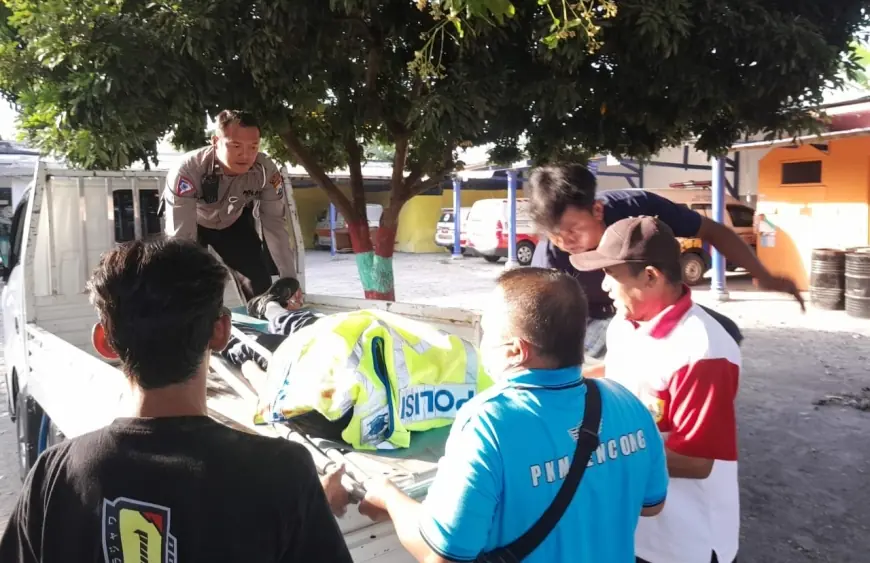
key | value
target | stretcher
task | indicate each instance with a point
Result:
(233, 400)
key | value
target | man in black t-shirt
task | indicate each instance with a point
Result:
(566, 209)
(168, 483)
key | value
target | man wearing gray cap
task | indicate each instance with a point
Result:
(683, 365)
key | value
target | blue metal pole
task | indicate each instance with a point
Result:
(512, 219)
(457, 217)
(332, 229)
(717, 285)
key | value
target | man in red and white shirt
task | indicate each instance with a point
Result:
(685, 367)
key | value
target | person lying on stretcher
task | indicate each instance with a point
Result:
(282, 305)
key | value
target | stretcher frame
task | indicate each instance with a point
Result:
(413, 472)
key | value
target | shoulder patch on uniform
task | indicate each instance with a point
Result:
(277, 183)
(184, 187)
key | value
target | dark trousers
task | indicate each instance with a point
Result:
(713, 559)
(241, 249)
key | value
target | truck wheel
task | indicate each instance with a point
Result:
(693, 268)
(525, 251)
(492, 259)
(27, 427)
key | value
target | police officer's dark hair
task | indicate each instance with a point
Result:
(236, 117)
(547, 308)
(158, 301)
(552, 189)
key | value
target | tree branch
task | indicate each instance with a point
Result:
(354, 164)
(413, 177)
(317, 174)
(397, 185)
(426, 184)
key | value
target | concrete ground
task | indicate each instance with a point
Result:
(804, 467)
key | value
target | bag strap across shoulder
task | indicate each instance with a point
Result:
(587, 442)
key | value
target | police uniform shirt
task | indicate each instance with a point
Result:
(159, 490)
(262, 185)
(508, 454)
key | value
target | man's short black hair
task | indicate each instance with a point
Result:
(158, 301)
(236, 117)
(552, 189)
(672, 271)
(547, 308)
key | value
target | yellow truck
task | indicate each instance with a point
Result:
(698, 196)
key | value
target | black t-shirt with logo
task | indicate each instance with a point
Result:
(166, 490)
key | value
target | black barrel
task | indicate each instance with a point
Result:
(826, 278)
(858, 282)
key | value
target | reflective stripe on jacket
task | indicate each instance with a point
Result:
(396, 374)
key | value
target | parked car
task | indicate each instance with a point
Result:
(444, 229)
(740, 217)
(342, 235)
(488, 230)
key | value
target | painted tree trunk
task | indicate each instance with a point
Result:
(374, 262)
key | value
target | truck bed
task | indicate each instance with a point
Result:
(81, 392)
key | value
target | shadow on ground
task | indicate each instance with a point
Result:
(804, 468)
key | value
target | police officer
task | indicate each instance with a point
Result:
(216, 192)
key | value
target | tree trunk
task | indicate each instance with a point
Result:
(374, 262)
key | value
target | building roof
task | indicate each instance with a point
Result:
(9, 147)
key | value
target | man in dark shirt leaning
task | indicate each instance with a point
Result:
(169, 483)
(565, 207)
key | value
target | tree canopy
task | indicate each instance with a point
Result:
(101, 81)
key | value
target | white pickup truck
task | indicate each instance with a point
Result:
(59, 387)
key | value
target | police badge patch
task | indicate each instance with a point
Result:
(277, 183)
(184, 187)
(657, 409)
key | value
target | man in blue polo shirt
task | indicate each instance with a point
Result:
(565, 207)
(512, 446)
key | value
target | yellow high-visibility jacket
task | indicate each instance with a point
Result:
(396, 374)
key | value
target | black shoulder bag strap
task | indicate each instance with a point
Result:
(587, 442)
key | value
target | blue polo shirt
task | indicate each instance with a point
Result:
(510, 449)
(618, 205)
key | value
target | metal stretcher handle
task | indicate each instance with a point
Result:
(324, 460)
(326, 454)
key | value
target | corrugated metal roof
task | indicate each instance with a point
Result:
(802, 140)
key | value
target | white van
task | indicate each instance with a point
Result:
(444, 229)
(487, 231)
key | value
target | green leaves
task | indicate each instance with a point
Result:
(99, 82)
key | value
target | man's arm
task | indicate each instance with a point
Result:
(405, 513)
(657, 480)
(454, 522)
(687, 223)
(273, 218)
(180, 195)
(316, 535)
(702, 418)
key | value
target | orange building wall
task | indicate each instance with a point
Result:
(832, 214)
